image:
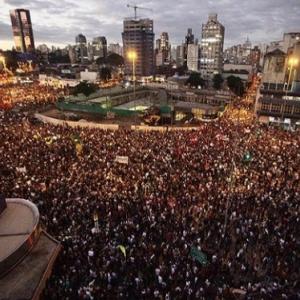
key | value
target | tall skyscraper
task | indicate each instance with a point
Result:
(180, 55)
(138, 36)
(211, 61)
(193, 57)
(100, 47)
(189, 39)
(22, 30)
(164, 41)
(81, 47)
(163, 50)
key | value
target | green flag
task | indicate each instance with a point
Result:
(199, 256)
(247, 157)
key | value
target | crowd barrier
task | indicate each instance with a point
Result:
(85, 124)
(54, 121)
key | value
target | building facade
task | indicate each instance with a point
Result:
(189, 40)
(193, 57)
(138, 37)
(22, 30)
(179, 55)
(81, 48)
(238, 54)
(278, 99)
(99, 47)
(211, 61)
(163, 50)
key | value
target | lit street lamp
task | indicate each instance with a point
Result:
(293, 62)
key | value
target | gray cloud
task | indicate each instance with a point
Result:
(59, 21)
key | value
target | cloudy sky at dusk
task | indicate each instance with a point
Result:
(59, 21)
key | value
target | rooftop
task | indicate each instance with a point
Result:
(17, 222)
(27, 253)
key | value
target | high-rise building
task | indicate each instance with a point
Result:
(163, 50)
(99, 47)
(180, 55)
(164, 41)
(81, 47)
(211, 61)
(22, 30)
(72, 54)
(173, 54)
(138, 37)
(157, 44)
(189, 39)
(193, 57)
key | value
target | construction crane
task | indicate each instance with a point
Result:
(136, 8)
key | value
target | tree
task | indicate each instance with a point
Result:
(105, 74)
(236, 85)
(115, 60)
(181, 70)
(217, 81)
(85, 88)
(11, 59)
(195, 80)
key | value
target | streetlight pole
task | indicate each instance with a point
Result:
(133, 75)
(132, 56)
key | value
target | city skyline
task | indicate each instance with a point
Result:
(263, 22)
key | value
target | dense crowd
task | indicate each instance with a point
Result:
(179, 190)
(6, 78)
(20, 94)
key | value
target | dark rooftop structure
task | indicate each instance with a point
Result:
(27, 252)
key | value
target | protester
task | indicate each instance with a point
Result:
(229, 190)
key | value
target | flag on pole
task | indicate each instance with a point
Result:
(199, 256)
(122, 249)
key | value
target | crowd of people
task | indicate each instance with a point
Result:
(24, 94)
(6, 78)
(231, 190)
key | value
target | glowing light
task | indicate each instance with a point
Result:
(293, 61)
(132, 55)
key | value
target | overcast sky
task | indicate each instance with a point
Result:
(59, 21)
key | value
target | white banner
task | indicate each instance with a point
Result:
(122, 159)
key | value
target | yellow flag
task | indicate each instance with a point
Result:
(78, 148)
(122, 249)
